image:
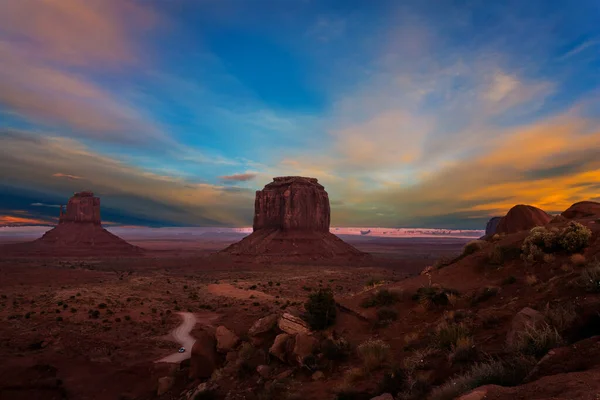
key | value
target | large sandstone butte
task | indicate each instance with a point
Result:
(491, 226)
(522, 217)
(291, 219)
(79, 232)
(583, 209)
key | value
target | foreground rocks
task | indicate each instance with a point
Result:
(204, 356)
(226, 339)
(525, 319)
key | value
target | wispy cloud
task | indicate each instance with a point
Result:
(45, 205)
(248, 176)
(67, 176)
(579, 48)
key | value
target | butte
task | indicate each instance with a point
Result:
(79, 233)
(291, 222)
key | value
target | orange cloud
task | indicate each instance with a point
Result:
(16, 220)
(60, 175)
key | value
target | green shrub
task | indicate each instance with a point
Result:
(473, 247)
(373, 353)
(574, 238)
(380, 298)
(447, 334)
(320, 309)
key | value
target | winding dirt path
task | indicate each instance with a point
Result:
(181, 335)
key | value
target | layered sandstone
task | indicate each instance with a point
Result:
(583, 209)
(522, 217)
(291, 219)
(491, 226)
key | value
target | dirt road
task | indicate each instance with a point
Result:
(181, 335)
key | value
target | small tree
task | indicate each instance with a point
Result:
(320, 309)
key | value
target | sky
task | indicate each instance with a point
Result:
(411, 114)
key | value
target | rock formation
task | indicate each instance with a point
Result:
(79, 232)
(583, 209)
(291, 219)
(522, 217)
(491, 226)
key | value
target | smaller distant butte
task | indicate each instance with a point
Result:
(291, 221)
(79, 233)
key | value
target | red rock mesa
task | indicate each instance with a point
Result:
(522, 217)
(291, 219)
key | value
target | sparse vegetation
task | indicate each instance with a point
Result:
(380, 298)
(463, 350)
(473, 247)
(537, 340)
(590, 277)
(373, 353)
(484, 294)
(335, 349)
(387, 314)
(509, 280)
(447, 334)
(442, 262)
(541, 241)
(430, 296)
(417, 360)
(373, 282)
(321, 309)
(560, 316)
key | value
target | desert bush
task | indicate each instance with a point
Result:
(320, 309)
(429, 296)
(387, 314)
(447, 334)
(493, 372)
(549, 258)
(590, 277)
(531, 280)
(380, 298)
(574, 238)
(473, 247)
(417, 359)
(410, 339)
(393, 381)
(484, 294)
(578, 259)
(560, 316)
(537, 340)
(335, 349)
(373, 353)
(509, 280)
(373, 282)
(442, 262)
(463, 350)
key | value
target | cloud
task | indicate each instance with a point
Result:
(248, 176)
(579, 48)
(18, 220)
(45, 205)
(67, 176)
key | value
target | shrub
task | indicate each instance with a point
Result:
(373, 353)
(473, 247)
(417, 360)
(463, 350)
(434, 296)
(320, 308)
(335, 349)
(537, 340)
(442, 262)
(484, 294)
(410, 339)
(493, 372)
(590, 278)
(447, 334)
(560, 317)
(387, 314)
(393, 381)
(575, 237)
(531, 280)
(373, 282)
(382, 297)
(549, 258)
(509, 280)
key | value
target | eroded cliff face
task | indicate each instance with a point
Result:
(292, 203)
(491, 226)
(83, 207)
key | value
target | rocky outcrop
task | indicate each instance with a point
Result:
(583, 209)
(226, 339)
(292, 325)
(304, 346)
(79, 232)
(491, 226)
(203, 359)
(291, 220)
(521, 218)
(281, 346)
(263, 329)
(292, 203)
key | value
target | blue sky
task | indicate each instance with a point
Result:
(417, 113)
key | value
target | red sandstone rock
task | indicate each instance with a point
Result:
(583, 209)
(292, 203)
(291, 219)
(203, 356)
(82, 207)
(521, 218)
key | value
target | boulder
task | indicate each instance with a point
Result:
(281, 345)
(263, 329)
(521, 218)
(203, 358)
(385, 396)
(524, 319)
(164, 385)
(304, 346)
(226, 339)
(264, 371)
(291, 324)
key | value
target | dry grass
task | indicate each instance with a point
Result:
(463, 350)
(410, 339)
(473, 247)
(578, 260)
(560, 316)
(448, 334)
(373, 353)
(417, 360)
(537, 341)
(566, 267)
(590, 277)
(531, 280)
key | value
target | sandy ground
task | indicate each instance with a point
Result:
(98, 325)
